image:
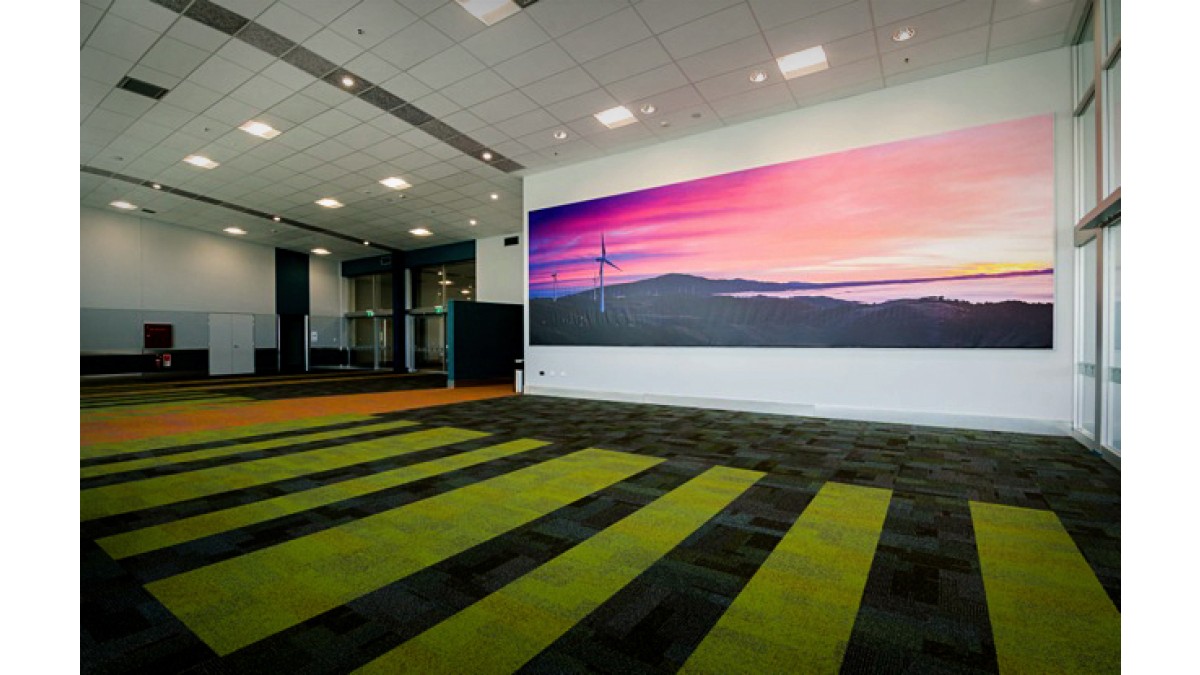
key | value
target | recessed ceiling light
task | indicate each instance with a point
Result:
(275, 218)
(330, 203)
(235, 230)
(320, 251)
(420, 232)
(560, 134)
(347, 81)
(156, 186)
(616, 117)
(473, 221)
(260, 129)
(466, 291)
(494, 196)
(201, 161)
(758, 76)
(446, 282)
(122, 204)
(490, 11)
(904, 34)
(366, 243)
(395, 183)
(648, 109)
(803, 62)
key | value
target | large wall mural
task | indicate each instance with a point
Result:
(942, 241)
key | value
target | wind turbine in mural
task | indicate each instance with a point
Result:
(603, 260)
(555, 296)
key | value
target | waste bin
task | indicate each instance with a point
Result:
(519, 379)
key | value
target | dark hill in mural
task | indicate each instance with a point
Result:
(682, 310)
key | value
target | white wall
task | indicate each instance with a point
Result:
(135, 270)
(499, 270)
(327, 294)
(985, 388)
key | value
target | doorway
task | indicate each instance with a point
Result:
(230, 344)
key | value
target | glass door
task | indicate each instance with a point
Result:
(1085, 339)
(1110, 437)
(362, 342)
(429, 341)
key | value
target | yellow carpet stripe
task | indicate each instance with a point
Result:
(239, 601)
(143, 494)
(120, 412)
(209, 436)
(1048, 610)
(176, 532)
(797, 611)
(225, 451)
(514, 624)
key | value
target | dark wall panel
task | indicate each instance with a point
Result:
(291, 282)
(486, 339)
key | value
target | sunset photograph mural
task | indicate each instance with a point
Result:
(944, 241)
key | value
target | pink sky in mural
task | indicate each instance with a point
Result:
(978, 200)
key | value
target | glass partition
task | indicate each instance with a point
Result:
(1085, 339)
(1111, 437)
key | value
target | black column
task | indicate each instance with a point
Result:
(399, 315)
(292, 306)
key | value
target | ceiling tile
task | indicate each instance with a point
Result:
(504, 40)
(126, 103)
(371, 67)
(198, 35)
(331, 123)
(937, 23)
(560, 86)
(576, 107)
(535, 64)
(300, 138)
(479, 87)
(88, 18)
(437, 105)
(372, 21)
(840, 77)
(261, 91)
(102, 66)
(890, 11)
(122, 38)
(998, 54)
(711, 31)
(663, 15)
(1007, 9)
(1050, 21)
(465, 122)
(739, 55)
(245, 55)
(844, 21)
(329, 45)
(360, 109)
(298, 108)
(142, 13)
(288, 75)
(605, 35)
(922, 56)
(780, 12)
(528, 123)
(454, 21)
(172, 56)
(640, 86)
(288, 22)
(563, 16)
(447, 67)
(220, 75)
(503, 107)
(412, 45)
(323, 11)
(193, 97)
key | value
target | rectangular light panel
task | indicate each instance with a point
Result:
(490, 11)
(617, 117)
(804, 62)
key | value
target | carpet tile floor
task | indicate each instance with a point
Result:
(543, 535)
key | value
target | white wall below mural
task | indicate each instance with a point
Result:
(1022, 390)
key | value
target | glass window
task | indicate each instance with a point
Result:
(1085, 159)
(1112, 338)
(1085, 345)
(1113, 122)
(385, 291)
(460, 278)
(1084, 56)
(1112, 23)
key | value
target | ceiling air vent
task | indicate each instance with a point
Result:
(144, 88)
(512, 241)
